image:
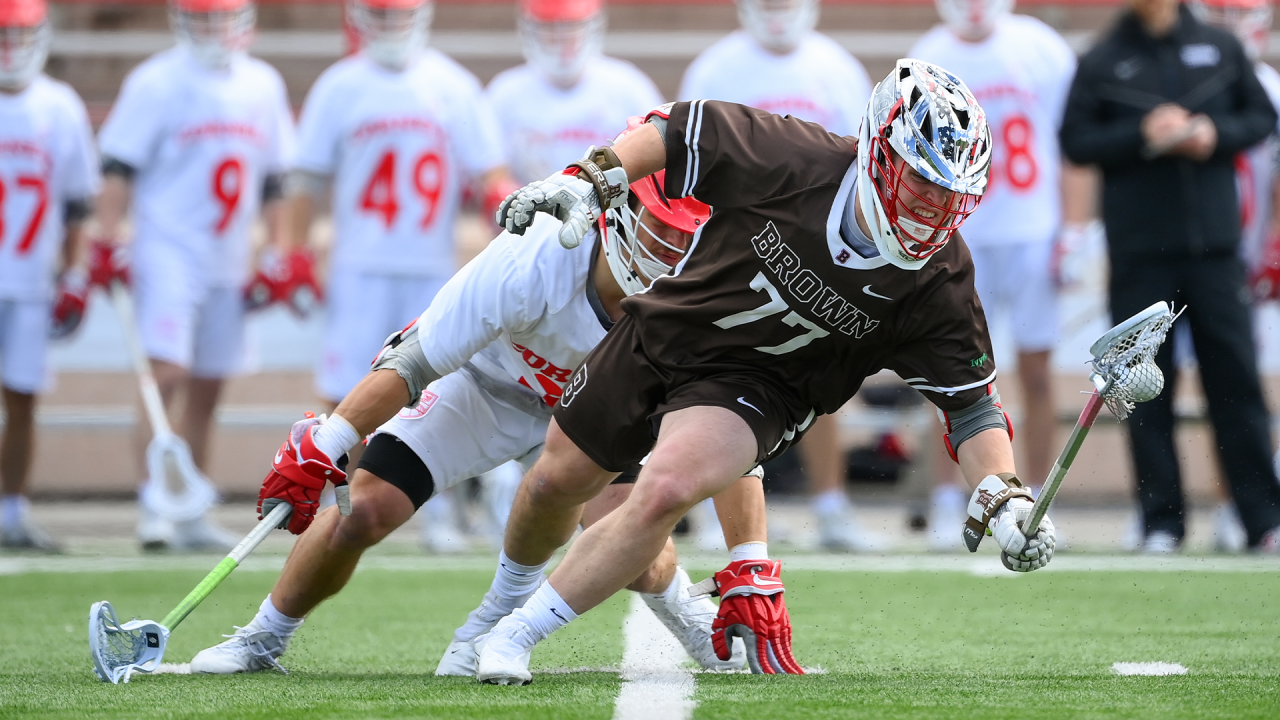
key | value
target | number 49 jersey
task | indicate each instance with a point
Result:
(1020, 75)
(202, 143)
(46, 161)
(399, 146)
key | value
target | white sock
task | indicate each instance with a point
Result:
(276, 622)
(335, 437)
(749, 551)
(672, 593)
(830, 502)
(545, 612)
(13, 510)
(513, 583)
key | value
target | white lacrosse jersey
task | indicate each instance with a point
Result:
(545, 128)
(401, 147)
(1255, 175)
(1020, 75)
(819, 81)
(520, 312)
(202, 142)
(46, 160)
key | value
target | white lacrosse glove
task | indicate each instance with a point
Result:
(998, 505)
(576, 197)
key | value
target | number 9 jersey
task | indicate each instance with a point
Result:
(202, 141)
(400, 146)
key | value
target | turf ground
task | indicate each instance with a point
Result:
(936, 641)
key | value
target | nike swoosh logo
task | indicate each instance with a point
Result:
(279, 457)
(868, 291)
(743, 400)
(761, 581)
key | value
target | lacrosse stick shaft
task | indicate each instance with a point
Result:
(1063, 464)
(229, 563)
(146, 380)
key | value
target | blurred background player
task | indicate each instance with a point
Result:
(568, 96)
(399, 131)
(778, 63)
(197, 143)
(1257, 183)
(1020, 70)
(48, 177)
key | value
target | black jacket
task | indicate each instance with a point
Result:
(1168, 206)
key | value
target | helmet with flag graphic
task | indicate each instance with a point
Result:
(391, 32)
(778, 25)
(24, 42)
(561, 37)
(924, 152)
(973, 19)
(1248, 20)
(213, 30)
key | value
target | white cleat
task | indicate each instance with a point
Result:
(1229, 535)
(1159, 542)
(443, 538)
(249, 649)
(689, 619)
(502, 655)
(155, 533)
(26, 535)
(202, 535)
(946, 522)
(840, 532)
(459, 660)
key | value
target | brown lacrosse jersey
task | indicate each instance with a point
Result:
(769, 288)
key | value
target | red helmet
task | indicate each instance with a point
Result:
(213, 30)
(1249, 20)
(561, 36)
(391, 32)
(24, 41)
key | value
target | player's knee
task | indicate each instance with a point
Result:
(370, 521)
(665, 493)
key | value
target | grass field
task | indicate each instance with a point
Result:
(931, 642)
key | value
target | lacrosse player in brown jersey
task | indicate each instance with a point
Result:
(826, 259)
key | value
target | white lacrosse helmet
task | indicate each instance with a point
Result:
(24, 42)
(391, 32)
(1248, 20)
(213, 30)
(973, 19)
(561, 36)
(924, 117)
(778, 25)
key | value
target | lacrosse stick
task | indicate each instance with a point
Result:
(137, 646)
(175, 487)
(1124, 374)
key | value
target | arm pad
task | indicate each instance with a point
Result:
(403, 353)
(984, 414)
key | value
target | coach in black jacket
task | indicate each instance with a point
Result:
(1163, 105)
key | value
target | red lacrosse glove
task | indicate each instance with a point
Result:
(108, 262)
(298, 475)
(752, 608)
(290, 280)
(70, 299)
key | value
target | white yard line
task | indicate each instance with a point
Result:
(1148, 668)
(655, 683)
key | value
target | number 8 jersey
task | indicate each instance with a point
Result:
(202, 142)
(399, 146)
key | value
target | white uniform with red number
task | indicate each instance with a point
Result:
(1020, 75)
(1255, 175)
(400, 147)
(545, 128)
(508, 330)
(819, 81)
(46, 160)
(202, 142)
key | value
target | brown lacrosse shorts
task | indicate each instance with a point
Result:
(613, 403)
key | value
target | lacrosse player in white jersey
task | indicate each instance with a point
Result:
(778, 63)
(398, 130)
(1258, 183)
(468, 386)
(48, 177)
(197, 143)
(1019, 69)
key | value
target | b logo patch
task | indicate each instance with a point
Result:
(422, 408)
(575, 385)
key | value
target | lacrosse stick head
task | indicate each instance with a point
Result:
(1124, 359)
(121, 650)
(175, 487)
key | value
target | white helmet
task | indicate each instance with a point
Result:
(24, 42)
(1249, 20)
(778, 25)
(927, 118)
(213, 30)
(561, 36)
(973, 19)
(390, 32)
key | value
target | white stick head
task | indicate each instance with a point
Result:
(175, 487)
(120, 650)
(1124, 359)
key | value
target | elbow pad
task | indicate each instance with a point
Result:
(984, 414)
(403, 353)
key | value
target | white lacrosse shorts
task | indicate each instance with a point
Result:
(460, 431)
(184, 320)
(24, 345)
(361, 311)
(1017, 279)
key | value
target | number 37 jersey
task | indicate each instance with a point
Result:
(400, 146)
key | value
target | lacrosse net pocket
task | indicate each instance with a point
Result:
(1124, 359)
(120, 650)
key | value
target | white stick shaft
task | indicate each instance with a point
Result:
(260, 532)
(1063, 464)
(151, 400)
